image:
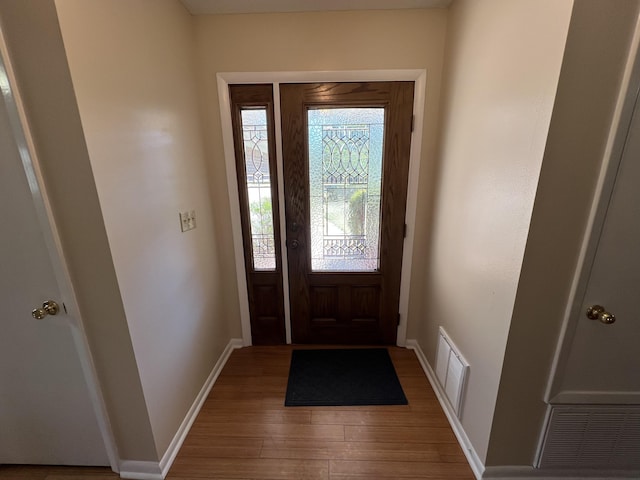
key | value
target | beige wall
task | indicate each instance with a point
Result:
(596, 51)
(133, 70)
(411, 39)
(37, 52)
(503, 63)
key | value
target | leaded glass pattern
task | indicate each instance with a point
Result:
(345, 181)
(258, 178)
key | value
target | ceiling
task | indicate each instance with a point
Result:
(204, 7)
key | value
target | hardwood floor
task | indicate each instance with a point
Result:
(244, 432)
(21, 472)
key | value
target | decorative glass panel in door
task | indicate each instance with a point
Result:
(258, 183)
(346, 157)
(345, 179)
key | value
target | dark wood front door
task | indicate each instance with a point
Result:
(346, 150)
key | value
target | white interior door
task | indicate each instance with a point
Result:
(46, 413)
(603, 366)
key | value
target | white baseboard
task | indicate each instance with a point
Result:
(174, 447)
(530, 473)
(136, 470)
(477, 466)
(158, 470)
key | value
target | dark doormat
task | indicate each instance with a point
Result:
(343, 377)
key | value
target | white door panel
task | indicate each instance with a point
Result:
(46, 413)
(604, 360)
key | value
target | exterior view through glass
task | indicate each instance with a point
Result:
(345, 182)
(256, 161)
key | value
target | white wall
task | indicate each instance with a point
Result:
(133, 69)
(503, 63)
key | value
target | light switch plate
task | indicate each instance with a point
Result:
(187, 220)
(184, 221)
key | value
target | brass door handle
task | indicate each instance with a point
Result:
(48, 308)
(597, 312)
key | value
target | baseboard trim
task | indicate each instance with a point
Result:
(137, 470)
(467, 448)
(158, 470)
(174, 447)
(518, 472)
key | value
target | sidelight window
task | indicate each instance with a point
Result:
(258, 182)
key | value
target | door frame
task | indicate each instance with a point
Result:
(28, 155)
(224, 79)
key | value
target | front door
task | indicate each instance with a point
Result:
(345, 149)
(346, 153)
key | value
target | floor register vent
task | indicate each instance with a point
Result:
(451, 370)
(592, 436)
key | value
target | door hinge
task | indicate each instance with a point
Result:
(413, 122)
(404, 231)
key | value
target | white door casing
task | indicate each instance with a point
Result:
(51, 406)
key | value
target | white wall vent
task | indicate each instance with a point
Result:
(592, 436)
(451, 370)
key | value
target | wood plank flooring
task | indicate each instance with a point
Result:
(22, 472)
(244, 432)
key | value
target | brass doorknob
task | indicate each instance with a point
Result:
(48, 308)
(597, 312)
